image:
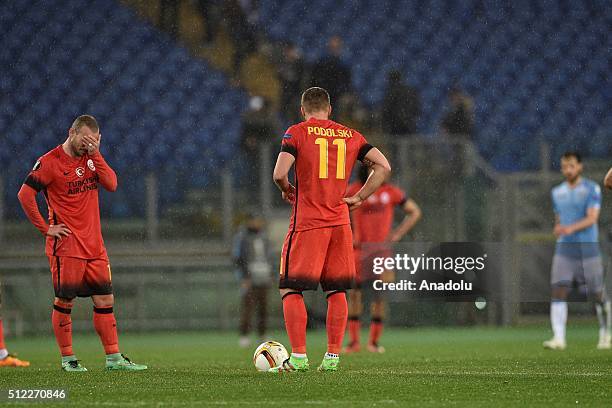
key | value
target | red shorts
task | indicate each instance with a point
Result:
(364, 261)
(74, 277)
(320, 255)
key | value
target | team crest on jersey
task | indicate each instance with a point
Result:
(80, 171)
(36, 165)
(91, 165)
(385, 198)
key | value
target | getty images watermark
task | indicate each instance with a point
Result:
(404, 262)
(455, 271)
(471, 271)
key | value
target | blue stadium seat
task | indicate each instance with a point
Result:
(59, 62)
(499, 52)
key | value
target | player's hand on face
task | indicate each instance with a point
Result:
(289, 195)
(58, 231)
(92, 143)
(353, 202)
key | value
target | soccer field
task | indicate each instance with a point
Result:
(422, 367)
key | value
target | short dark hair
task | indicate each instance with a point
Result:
(315, 99)
(570, 154)
(85, 120)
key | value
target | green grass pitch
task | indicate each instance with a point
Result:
(422, 367)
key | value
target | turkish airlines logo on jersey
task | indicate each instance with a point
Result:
(80, 171)
(91, 165)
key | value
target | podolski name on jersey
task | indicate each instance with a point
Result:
(321, 131)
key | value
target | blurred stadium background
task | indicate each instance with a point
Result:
(192, 97)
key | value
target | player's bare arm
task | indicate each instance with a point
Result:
(381, 169)
(281, 176)
(591, 218)
(27, 198)
(413, 215)
(608, 179)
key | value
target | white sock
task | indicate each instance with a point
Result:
(603, 316)
(298, 355)
(608, 310)
(3, 354)
(558, 318)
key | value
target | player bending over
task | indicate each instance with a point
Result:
(69, 176)
(319, 244)
(577, 258)
(372, 223)
(7, 359)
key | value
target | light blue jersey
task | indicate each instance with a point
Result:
(571, 205)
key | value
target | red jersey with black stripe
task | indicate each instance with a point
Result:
(325, 153)
(373, 220)
(70, 186)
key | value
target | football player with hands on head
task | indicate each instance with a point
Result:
(69, 177)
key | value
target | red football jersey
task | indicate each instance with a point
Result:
(373, 220)
(325, 153)
(70, 187)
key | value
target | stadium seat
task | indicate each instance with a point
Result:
(504, 55)
(59, 62)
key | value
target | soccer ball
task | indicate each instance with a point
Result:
(269, 354)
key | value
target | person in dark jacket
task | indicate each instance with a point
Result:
(401, 107)
(331, 73)
(459, 120)
(251, 255)
(291, 73)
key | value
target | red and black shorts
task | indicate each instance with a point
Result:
(74, 277)
(364, 262)
(320, 255)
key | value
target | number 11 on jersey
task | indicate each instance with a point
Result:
(324, 155)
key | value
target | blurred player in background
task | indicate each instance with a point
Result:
(372, 223)
(251, 255)
(577, 259)
(319, 244)
(7, 359)
(608, 179)
(69, 176)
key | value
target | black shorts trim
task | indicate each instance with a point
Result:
(334, 292)
(103, 310)
(62, 309)
(73, 291)
(292, 293)
(298, 284)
